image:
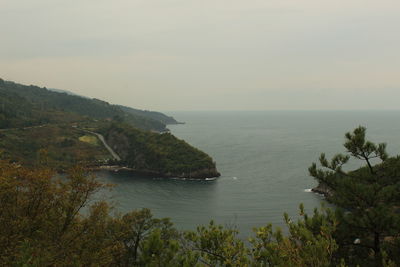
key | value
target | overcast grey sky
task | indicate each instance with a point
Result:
(208, 54)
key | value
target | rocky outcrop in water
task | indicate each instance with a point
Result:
(322, 189)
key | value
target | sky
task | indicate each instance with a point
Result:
(208, 54)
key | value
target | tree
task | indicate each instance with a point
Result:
(137, 232)
(310, 241)
(41, 222)
(367, 198)
(215, 245)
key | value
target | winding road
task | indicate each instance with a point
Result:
(101, 138)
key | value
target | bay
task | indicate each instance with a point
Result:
(263, 157)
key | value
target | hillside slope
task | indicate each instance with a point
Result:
(63, 130)
(158, 154)
(16, 99)
(150, 114)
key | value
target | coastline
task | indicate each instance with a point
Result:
(208, 175)
(322, 190)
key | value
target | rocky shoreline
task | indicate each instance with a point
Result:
(205, 174)
(322, 190)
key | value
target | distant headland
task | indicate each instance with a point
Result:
(62, 129)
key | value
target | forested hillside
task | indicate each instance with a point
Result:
(32, 105)
(150, 114)
(160, 154)
(39, 125)
(56, 146)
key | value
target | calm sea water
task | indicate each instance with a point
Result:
(263, 158)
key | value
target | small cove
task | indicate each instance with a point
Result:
(263, 157)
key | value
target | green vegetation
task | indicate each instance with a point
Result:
(61, 145)
(162, 154)
(146, 152)
(34, 119)
(43, 223)
(91, 139)
(23, 105)
(150, 114)
(368, 200)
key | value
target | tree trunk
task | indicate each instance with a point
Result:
(377, 249)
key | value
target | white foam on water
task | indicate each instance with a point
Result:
(309, 190)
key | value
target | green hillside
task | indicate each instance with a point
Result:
(63, 130)
(160, 154)
(32, 105)
(57, 146)
(150, 114)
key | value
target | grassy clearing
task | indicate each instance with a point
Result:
(93, 140)
(64, 146)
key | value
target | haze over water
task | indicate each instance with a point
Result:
(263, 157)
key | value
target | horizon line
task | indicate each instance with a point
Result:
(263, 110)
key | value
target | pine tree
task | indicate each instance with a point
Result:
(367, 198)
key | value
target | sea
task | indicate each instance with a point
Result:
(263, 157)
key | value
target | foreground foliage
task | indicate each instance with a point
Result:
(55, 221)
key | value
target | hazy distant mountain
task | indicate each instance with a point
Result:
(145, 113)
(150, 114)
(66, 92)
(43, 101)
